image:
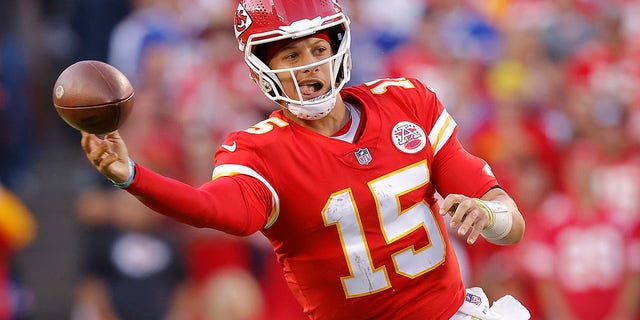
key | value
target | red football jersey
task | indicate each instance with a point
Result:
(355, 226)
(589, 256)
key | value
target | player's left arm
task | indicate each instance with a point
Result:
(473, 197)
(495, 216)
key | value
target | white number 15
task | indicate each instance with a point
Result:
(342, 211)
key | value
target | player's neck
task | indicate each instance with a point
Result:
(350, 131)
(329, 125)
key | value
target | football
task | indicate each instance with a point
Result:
(93, 96)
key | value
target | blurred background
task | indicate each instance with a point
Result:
(546, 91)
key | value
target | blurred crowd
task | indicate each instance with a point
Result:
(547, 91)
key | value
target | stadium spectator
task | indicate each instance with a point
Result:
(131, 267)
(17, 230)
(583, 253)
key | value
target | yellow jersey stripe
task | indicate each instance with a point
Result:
(229, 170)
(441, 132)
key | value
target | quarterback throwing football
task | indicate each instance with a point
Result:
(342, 181)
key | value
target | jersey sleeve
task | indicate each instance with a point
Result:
(236, 205)
(454, 169)
(457, 171)
(246, 154)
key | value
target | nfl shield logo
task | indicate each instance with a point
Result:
(472, 298)
(363, 156)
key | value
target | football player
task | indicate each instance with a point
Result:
(341, 180)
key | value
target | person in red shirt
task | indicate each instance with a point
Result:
(582, 255)
(341, 180)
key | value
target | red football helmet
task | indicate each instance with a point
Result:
(261, 22)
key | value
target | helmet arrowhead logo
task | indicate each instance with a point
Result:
(242, 20)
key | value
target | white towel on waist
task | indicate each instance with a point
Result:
(476, 307)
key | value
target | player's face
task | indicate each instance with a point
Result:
(313, 81)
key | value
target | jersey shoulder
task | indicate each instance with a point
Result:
(407, 93)
(399, 95)
(265, 132)
(393, 88)
(258, 138)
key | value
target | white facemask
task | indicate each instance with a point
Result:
(314, 110)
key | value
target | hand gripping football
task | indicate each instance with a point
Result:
(93, 97)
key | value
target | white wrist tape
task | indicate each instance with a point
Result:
(500, 220)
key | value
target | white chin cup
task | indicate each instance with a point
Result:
(310, 110)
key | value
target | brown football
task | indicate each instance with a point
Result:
(93, 96)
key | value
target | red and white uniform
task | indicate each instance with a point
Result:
(355, 226)
(590, 257)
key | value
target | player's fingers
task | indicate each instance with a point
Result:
(474, 234)
(469, 220)
(460, 213)
(97, 153)
(90, 142)
(113, 135)
(106, 160)
(449, 209)
(481, 220)
(85, 142)
(450, 204)
(97, 160)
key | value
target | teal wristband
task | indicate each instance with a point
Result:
(132, 174)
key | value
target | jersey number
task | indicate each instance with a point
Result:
(341, 211)
(381, 85)
(265, 126)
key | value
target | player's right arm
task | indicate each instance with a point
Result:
(235, 205)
